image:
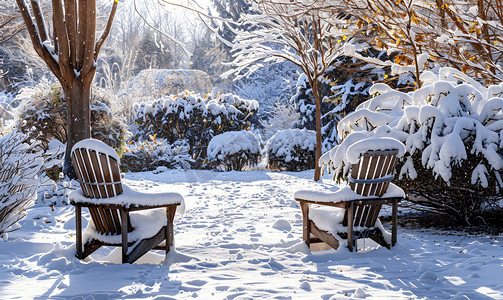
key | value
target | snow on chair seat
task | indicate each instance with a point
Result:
(368, 189)
(118, 212)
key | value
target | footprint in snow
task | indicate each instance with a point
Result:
(428, 276)
(305, 285)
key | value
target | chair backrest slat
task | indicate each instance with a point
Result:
(95, 216)
(104, 219)
(105, 166)
(117, 221)
(374, 213)
(365, 214)
(97, 174)
(82, 173)
(358, 211)
(116, 175)
(371, 174)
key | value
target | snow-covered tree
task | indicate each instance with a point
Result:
(71, 54)
(466, 35)
(303, 32)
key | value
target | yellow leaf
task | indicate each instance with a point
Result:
(339, 41)
(344, 38)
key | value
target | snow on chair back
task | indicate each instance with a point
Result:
(97, 168)
(373, 172)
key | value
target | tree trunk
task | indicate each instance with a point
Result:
(78, 107)
(316, 94)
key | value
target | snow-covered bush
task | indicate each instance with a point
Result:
(292, 150)
(453, 138)
(43, 116)
(234, 150)
(151, 154)
(20, 165)
(194, 119)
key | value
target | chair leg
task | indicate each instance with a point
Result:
(124, 221)
(170, 214)
(306, 226)
(350, 226)
(395, 223)
(78, 228)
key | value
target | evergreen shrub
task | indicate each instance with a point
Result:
(235, 150)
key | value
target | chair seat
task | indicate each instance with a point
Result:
(130, 197)
(146, 224)
(337, 194)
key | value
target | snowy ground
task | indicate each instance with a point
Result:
(241, 238)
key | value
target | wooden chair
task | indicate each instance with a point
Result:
(369, 179)
(102, 192)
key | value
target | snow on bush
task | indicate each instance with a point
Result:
(452, 133)
(194, 119)
(149, 155)
(234, 150)
(19, 179)
(292, 150)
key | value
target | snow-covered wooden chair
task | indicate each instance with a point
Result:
(120, 216)
(368, 189)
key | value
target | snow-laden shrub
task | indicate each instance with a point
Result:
(43, 116)
(194, 119)
(234, 150)
(153, 153)
(453, 138)
(20, 166)
(292, 150)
